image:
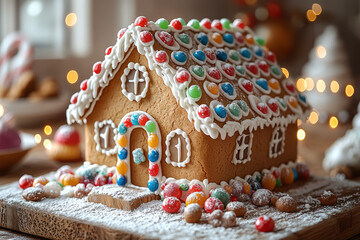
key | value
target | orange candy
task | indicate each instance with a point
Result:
(274, 84)
(122, 167)
(268, 181)
(287, 175)
(249, 39)
(293, 102)
(213, 88)
(42, 180)
(217, 38)
(114, 180)
(196, 197)
(228, 188)
(122, 141)
(153, 141)
(68, 179)
(246, 188)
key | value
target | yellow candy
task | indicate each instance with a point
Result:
(122, 141)
(153, 141)
(213, 88)
(122, 167)
(268, 181)
(217, 38)
(69, 180)
(196, 197)
(249, 39)
(274, 84)
(293, 102)
(42, 180)
(114, 180)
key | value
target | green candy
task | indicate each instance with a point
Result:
(260, 41)
(240, 69)
(163, 23)
(234, 55)
(226, 23)
(278, 182)
(234, 109)
(182, 21)
(243, 105)
(184, 187)
(194, 92)
(222, 195)
(150, 126)
(184, 38)
(275, 70)
(282, 102)
(198, 70)
(194, 23)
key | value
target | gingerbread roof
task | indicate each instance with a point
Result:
(219, 72)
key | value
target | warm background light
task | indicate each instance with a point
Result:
(299, 122)
(2, 110)
(349, 90)
(317, 8)
(286, 72)
(47, 144)
(37, 138)
(70, 19)
(333, 122)
(309, 84)
(47, 130)
(314, 117)
(334, 86)
(72, 76)
(320, 85)
(320, 52)
(310, 15)
(301, 134)
(301, 85)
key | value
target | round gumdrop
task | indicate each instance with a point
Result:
(211, 204)
(264, 224)
(192, 213)
(68, 179)
(287, 175)
(196, 187)
(26, 181)
(228, 188)
(67, 135)
(62, 170)
(171, 204)
(268, 181)
(196, 197)
(41, 180)
(238, 208)
(246, 188)
(100, 180)
(222, 195)
(237, 188)
(261, 197)
(172, 190)
(141, 21)
(303, 171)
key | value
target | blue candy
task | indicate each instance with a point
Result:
(135, 119)
(245, 53)
(228, 88)
(296, 175)
(221, 111)
(121, 181)
(202, 38)
(302, 98)
(221, 55)
(153, 155)
(153, 185)
(262, 83)
(180, 56)
(122, 129)
(122, 154)
(258, 52)
(200, 55)
(228, 38)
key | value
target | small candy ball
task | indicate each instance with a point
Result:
(243, 197)
(238, 208)
(195, 188)
(286, 204)
(184, 187)
(268, 181)
(171, 204)
(237, 188)
(228, 188)
(89, 174)
(79, 191)
(52, 190)
(246, 188)
(261, 197)
(211, 204)
(221, 194)
(69, 179)
(196, 197)
(229, 219)
(33, 194)
(64, 169)
(100, 180)
(41, 180)
(26, 181)
(141, 21)
(172, 190)
(192, 213)
(287, 175)
(328, 198)
(264, 224)
(303, 171)
(217, 214)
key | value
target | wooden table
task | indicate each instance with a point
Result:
(311, 150)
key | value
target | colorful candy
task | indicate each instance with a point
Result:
(264, 224)
(238, 208)
(196, 197)
(203, 111)
(192, 213)
(211, 204)
(101, 180)
(194, 92)
(172, 190)
(33, 194)
(268, 181)
(141, 21)
(26, 181)
(287, 175)
(222, 195)
(52, 190)
(163, 23)
(171, 204)
(40, 180)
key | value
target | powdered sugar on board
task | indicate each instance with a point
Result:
(150, 221)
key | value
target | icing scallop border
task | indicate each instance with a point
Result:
(98, 148)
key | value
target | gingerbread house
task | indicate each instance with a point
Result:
(203, 100)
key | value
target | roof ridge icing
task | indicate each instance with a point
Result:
(265, 110)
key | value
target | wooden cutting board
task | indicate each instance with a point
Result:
(70, 218)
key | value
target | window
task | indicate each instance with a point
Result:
(178, 148)
(277, 142)
(105, 137)
(242, 153)
(135, 82)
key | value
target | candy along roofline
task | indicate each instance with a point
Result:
(129, 38)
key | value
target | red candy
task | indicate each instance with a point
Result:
(26, 181)
(270, 56)
(108, 51)
(252, 68)
(161, 56)
(233, 199)
(182, 76)
(110, 174)
(263, 66)
(171, 204)
(83, 85)
(163, 185)
(100, 180)
(276, 173)
(141, 21)
(228, 69)
(272, 104)
(217, 24)
(146, 36)
(176, 24)
(239, 23)
(121, 33)
(206, 23)
(154, 170)
(74, 98)
(249, 86)
(214, 73)
(127, 122)
(210, 54)
(143, 119)
(166, 38)
(203, 111)
(264, 224)
(67, 135)
(239, 37)
(290, 87)
(195, 188)
(97, 67)
(303, 171)
(212, 204)
(172, 190)
(262, 108)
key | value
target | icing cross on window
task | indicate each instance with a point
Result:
(242, 153)
(139, 75)
(277, 142)
(136, 81)
(105, 136)
(178, 147)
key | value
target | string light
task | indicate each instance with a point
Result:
(2, 110)
(286, 72)
(314, 117)
(72, 76)
(301, 134)
(333, 122)
(70, 19)
(301, 85)
(349, 90)
(310, 15)
(316, 8)
(37, 138)
(320, 51)
(47, 144)
(320, 86)
(334, 86)
(309, 84)
(47, 130)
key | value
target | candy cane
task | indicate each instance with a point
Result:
(15, 58)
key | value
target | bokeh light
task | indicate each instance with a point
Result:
(70, 19)
(72, 76)
(320, 51)
(2, 110)
(301, 85)
(301, 134)
(320, 85)
(349, 90)
(47, 144)
(314, 117)
(310, 15)
(316, 8)
(309, 84)
(285, 72)
(37, 138)
(333, 122)
(47, 130)
(334, 86)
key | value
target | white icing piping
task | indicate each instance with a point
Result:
(178, 146)
(134, 96)
(97, 136)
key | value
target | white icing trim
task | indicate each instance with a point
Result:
(275, 140)
(186, 45)
(281, 100)
(97, 136)
(242, 147)
(188, 148)
(137, 67)
(175, 47)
